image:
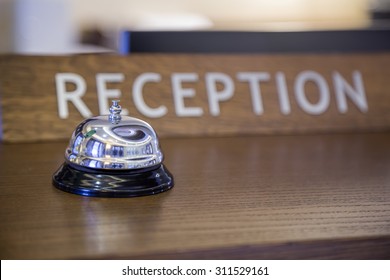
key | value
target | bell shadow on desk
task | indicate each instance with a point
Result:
(109, 227)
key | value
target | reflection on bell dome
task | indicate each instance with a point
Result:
(130, 144)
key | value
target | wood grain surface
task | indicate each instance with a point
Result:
(279, 197)
(30, 110)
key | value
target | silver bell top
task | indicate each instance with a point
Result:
(114, 142)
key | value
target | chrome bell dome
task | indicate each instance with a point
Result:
(113, 155)
(114, 142)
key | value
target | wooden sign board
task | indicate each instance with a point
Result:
(45, 97)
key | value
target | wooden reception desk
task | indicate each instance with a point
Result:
(259, 197)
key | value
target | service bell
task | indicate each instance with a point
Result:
(113, 156)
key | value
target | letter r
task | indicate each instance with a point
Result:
(63, 96)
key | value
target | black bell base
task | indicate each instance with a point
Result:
(89, 182)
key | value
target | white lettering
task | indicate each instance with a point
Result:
(299, 86)
(356, 94)
(138, 98)
(74, 96)
(179, 93)
(220, 87)
(254, 79)
(281, 86)
(216, 96)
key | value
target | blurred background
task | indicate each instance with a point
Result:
(77, 26)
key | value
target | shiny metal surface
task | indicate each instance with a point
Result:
(114, 142)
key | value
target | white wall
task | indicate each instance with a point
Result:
(52, 26)
(241, 13)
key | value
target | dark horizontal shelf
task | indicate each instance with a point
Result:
(365, 40)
